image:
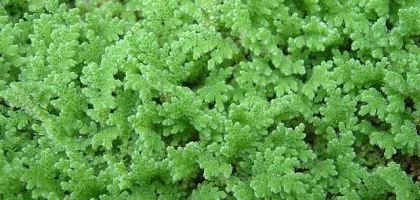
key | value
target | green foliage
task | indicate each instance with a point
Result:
(209, 99)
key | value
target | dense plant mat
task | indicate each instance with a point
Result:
(209, 99)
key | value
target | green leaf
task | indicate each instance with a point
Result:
(376, 103)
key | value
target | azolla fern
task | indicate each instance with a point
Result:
(209, 99)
